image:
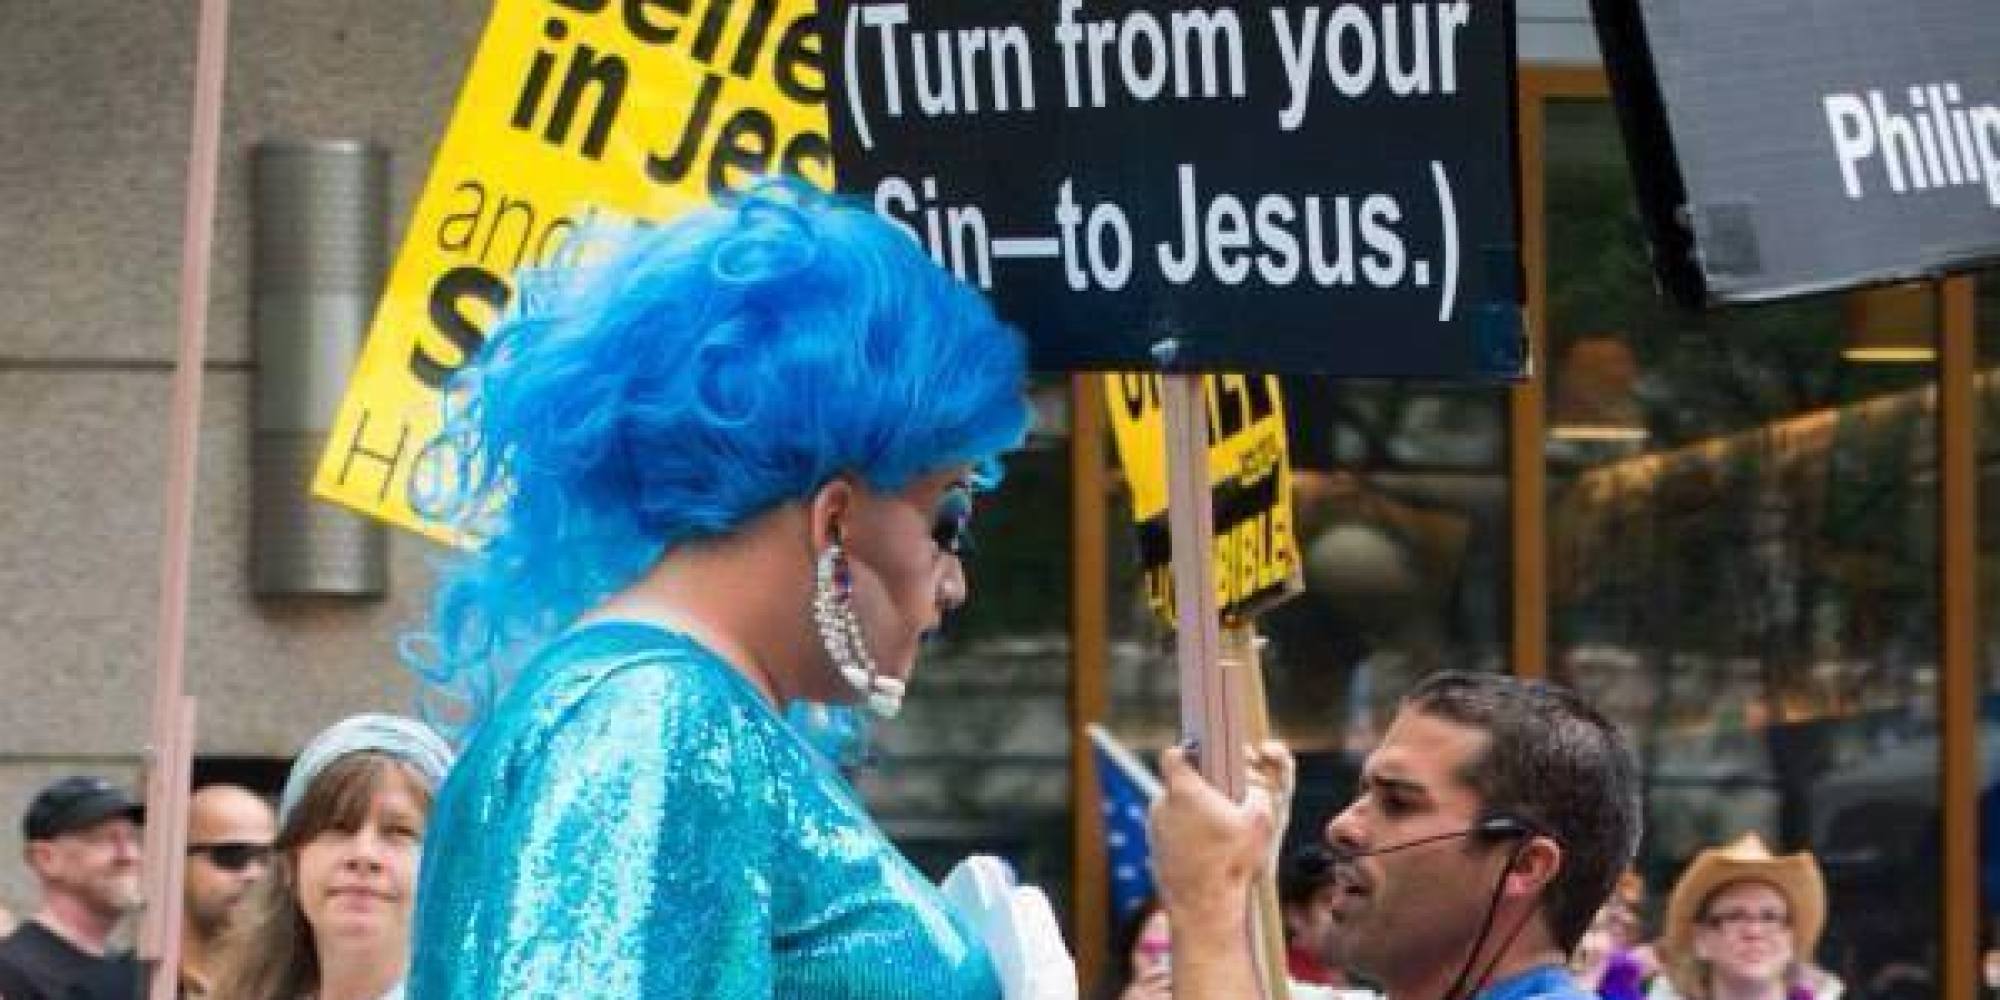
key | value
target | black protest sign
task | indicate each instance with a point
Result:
(1794, 147)
(1246, 185)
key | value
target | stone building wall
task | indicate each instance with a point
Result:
(95, 107)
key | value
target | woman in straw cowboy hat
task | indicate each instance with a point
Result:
(1742, 925)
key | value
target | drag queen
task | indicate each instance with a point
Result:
(726, 468)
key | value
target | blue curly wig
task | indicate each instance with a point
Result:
(690, 378)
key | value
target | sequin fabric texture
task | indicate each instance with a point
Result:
(634, 820)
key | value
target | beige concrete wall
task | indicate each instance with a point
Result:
(94, 112)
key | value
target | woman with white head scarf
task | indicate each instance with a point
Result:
(333, 920)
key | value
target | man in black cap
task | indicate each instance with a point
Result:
(82, 838)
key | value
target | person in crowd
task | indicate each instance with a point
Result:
(82, 837)
(1489, 826)
(1742, 924)
(723, 471)
(230, 829)
(1610, 960)
(332, 920)
(1139, 968)
(1307, 893)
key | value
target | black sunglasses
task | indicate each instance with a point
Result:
(231, 856)
(951, 521)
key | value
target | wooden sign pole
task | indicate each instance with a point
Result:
(1239, 657)
(1212, 697)
(1209, 701)
(168, 765)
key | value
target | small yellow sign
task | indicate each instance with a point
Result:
(574, 113)
(1250, 480)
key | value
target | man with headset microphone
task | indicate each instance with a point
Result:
(1488, 827)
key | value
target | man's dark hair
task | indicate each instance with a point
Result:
(1304, 872)
(1555, 763)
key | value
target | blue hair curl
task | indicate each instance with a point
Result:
(690, 378)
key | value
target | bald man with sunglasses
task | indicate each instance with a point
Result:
(230, 829)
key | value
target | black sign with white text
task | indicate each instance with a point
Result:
(1796, 146)
(1234, 185)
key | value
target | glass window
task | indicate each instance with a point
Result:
(1401, 503)
(1743, 565)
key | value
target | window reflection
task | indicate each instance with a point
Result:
(1744, 573)
(1401, 511)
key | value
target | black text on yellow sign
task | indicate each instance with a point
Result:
(574, 113)
(1250, 480)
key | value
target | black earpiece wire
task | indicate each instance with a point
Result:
(1498, 825)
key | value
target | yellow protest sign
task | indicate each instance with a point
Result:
(572, 111)
(1250, 478)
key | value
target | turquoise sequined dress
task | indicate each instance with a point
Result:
(635, 820)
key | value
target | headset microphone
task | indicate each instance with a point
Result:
(1492, 826)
